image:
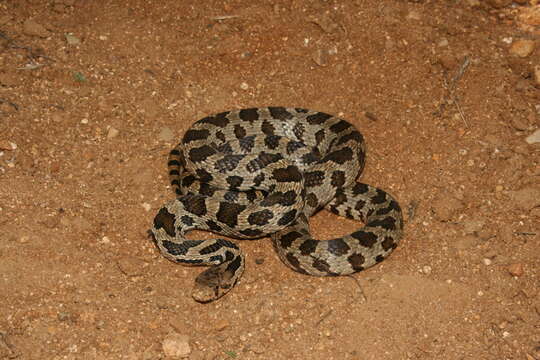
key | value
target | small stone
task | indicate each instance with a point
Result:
(112, 133)
(24, 239)
(519, 123)
(7, 145)
(32, 28)
(221, 325)
(445, 207)
(533, 138)
(522, 48)
(166, 134)
(130, 265)
(536, 74)
(84, 121)
(465, 242)
(443, 42)
(64, 316)
(146, 206)
(244, 86)
(487, 261)
(414, 15)
(515, 269)
(473, 225)
(426, 269)
(105, 240)
(176, 346)
(448, 60)
(326, 23)
(320, 57)
(526, 198)
(72, 39)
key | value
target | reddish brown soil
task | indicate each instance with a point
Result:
(79, 278)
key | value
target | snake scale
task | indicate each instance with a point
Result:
(264, 171)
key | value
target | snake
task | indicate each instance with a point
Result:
(263, 172)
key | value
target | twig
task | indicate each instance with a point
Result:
(224, 17)
(459, 74)
(451, 87)
(323, 317)
(9, 103)
(363, 298)
(32, 54)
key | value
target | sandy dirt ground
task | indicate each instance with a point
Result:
(93, 95)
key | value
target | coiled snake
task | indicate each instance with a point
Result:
(264, 171)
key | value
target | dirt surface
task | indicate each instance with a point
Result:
(94, 94)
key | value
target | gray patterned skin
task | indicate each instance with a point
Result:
(263, 172)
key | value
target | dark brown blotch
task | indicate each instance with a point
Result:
(287, 218)
(228, 213)
(280, 113)
(317, 118)
(239, 131)
(289, 174)
(340, 156)
(366, 239)
(165, 220)
(194, 204)
(308, 247)
(261, 217)
(338, 247)
(195, 134)
(249, 114)
(201, 153)
(357, 262)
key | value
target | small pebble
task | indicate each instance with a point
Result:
(487, 261)
(221, 325)
(533, 138)
(105, 240)
(522, 48)
(515, 269)
(166, 134)
(32, 28)
(146, 206)
(176, 345)
(130, 265)
(72, 39)
(443, 42)
(445, 207)
(84, 121)
(244, 86)
(112, 133)
(24, 239)
(536, 73)
(526, 198)
(426, 269)
(7, 145)
(320, 57)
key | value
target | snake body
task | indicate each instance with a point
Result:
(261, 172)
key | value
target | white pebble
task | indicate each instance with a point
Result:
(487, 261)
(84, 121)
(105, 240)
(146, 206)
(176, 345)
(112, 133)
(244, 86)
